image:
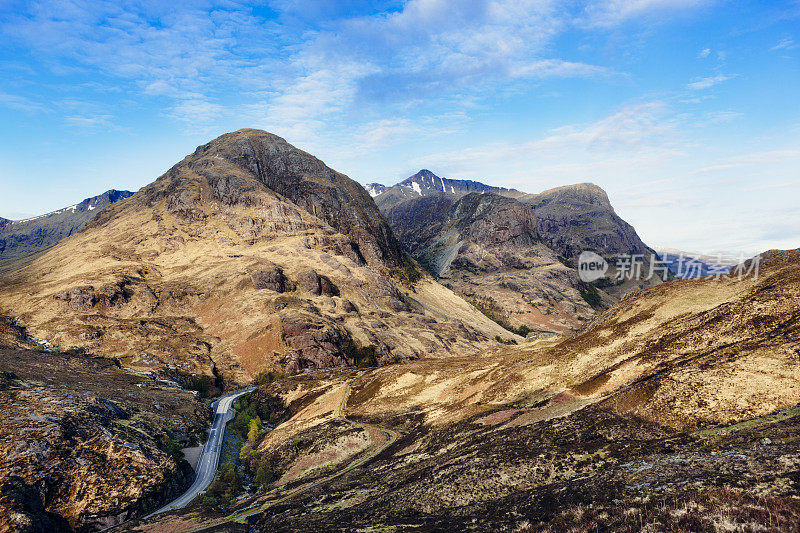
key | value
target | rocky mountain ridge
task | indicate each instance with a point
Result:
(570, 219)
(511, 253)
(21, 238)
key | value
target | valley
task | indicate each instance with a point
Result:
(417, 356)
(564, 432)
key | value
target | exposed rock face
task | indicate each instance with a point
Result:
(19, 238)
(83, 442)
(579, 217)
(314, 343)
(486, 247)
(273, 280)
(85, 298)
(436, 227)
(570, 219)
(309, 281)
(197, 272)
(506, 250)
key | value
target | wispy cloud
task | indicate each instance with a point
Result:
(706, 83)
(20, 103)
(705, 52)
(755, 158)
(637, 135)
(610, 13)
(91, 122)
(196, 54)
(785, 44)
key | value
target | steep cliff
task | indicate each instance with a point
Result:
(580, 217)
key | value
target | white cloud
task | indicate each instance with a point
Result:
(637, 136)
(755, 158)
(609, 13)
(785, 44)
(706, 83)
(91, 122)
(20, 103)
(309, 66)
(197, 112)
(705, 52)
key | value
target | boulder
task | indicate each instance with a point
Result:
(79, 299)
(308, 280)
(317, 343)
(272, 279)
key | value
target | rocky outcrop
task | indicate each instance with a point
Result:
(84, 443)
(273, 280)
(309, 281)
(580, 217)
(314, 343)
(86, 298)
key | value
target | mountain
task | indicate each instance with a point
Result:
(426, 183)
(570, 219)
(676, 406)
(486, 248)
(508, 252)
(374, 189)
(20, 238)
(247, 256)
(574, 218)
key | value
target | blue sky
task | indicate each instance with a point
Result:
(685, 111)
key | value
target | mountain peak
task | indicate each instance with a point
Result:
(424, 173)
(236, 167)
(587, 193)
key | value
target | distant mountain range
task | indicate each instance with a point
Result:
(570, 219)
(695, 265)
(426, 183)
(20, 238)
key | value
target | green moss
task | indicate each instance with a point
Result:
(590, 294)
(755, 422)
(407, 272)
(362, 356)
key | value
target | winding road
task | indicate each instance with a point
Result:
(209, 458)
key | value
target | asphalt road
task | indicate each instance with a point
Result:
(209, 458)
